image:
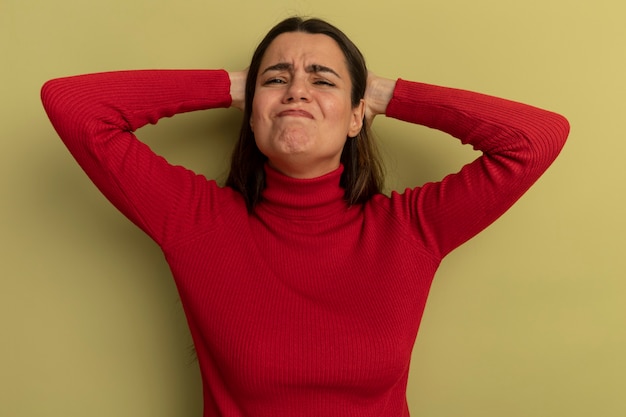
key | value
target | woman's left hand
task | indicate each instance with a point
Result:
(378, 94)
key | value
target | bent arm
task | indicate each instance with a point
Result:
(518, 143)
(96, 114)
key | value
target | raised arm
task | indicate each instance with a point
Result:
(518, 143)
(95, 116)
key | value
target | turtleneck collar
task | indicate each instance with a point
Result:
(302, 198)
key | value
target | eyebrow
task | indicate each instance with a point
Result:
(313, 68)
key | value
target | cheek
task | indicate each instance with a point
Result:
(251, 121)
(257, 118)
(254, 116)
(339, 112)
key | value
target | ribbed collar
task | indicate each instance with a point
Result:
(296, 198)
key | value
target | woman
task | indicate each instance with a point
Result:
(302, 284)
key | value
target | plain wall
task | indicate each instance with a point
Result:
(527, 319)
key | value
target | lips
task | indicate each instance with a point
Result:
(295, 113)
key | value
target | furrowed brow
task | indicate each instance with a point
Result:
(316, 68)
(281, 66)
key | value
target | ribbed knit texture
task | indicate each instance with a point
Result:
(308, 307)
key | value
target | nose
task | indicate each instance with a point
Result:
(297, 90)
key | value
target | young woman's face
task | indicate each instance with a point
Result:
(301, 111)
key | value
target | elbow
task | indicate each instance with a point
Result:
(44, 93)
(47, 91)
(563, 128)
(49, 96)
(545, 138)
(561, 133)
(555, 131)
(59, 106)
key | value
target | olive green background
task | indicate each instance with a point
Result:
(526, 320)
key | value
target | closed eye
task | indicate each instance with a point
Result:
(274, 81)
(324, 83)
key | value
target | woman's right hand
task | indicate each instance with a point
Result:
(238, 88)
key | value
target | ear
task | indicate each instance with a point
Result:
(356, 122)
(251, 124)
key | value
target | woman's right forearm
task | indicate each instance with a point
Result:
(131, 99)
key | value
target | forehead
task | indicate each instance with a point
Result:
(299, 48)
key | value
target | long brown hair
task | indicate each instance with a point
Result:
(362, 176)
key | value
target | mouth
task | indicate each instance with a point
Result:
(295, 113)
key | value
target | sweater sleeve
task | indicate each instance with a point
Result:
(96, 114)
(518, 143)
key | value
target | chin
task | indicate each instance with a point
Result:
(293, 142)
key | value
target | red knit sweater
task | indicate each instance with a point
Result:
(307, 307)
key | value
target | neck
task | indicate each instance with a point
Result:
(302, 197)
(303, 169)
